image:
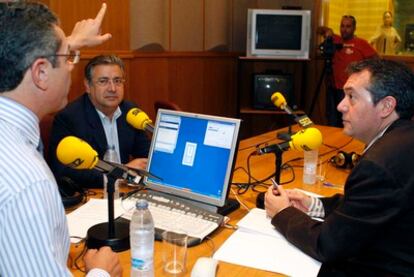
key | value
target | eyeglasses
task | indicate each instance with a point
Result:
(103, 82)
(73, 57)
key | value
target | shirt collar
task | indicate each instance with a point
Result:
(377, 137)
(116, 115)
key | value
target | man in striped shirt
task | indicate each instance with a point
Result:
(36, 60)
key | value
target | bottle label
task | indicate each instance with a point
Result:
(310, 168)
(140, 264)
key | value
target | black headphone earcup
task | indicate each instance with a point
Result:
(345, 160)
(354, 158)
(339, 160)
(70, 192)
(70, 201)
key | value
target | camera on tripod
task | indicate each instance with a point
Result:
(328, 47)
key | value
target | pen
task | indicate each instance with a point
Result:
(275, 184)
(328, 184)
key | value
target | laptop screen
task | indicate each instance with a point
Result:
(193, 155)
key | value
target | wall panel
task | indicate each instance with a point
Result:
(218, 27)
(187, 25)
(149, 80)
(239, 22)
(116, 20)
(219, 85)
(150, 25)
(187, 78)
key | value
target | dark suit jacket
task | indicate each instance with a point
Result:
(368, 231)
(80, 119)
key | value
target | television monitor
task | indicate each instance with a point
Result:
(193, 155)
(279, 34)
(264, 85)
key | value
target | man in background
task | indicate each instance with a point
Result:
(99, 118)
(346, 48)
(368, 230)
(36, 60)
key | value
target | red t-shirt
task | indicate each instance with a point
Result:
(355, 49)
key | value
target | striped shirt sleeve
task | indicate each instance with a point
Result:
(316, 208)
(33, 236)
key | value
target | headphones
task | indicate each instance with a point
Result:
(72, 193)
(345, 160)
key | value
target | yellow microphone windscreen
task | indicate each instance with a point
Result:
(137, 118)
(306, 139)
(278, 99)
(76, 153)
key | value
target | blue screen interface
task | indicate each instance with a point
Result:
(192, 154)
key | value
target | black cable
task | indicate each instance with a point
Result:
(288, 166)
(132, 192)
(75, 262)
(243, 187)
(256, 145)
(338, 147)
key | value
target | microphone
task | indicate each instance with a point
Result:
(78, 154)
(304, 140)
(279, 101)
(140, 120)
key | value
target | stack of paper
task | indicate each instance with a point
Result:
(93, 212)
(257, 244)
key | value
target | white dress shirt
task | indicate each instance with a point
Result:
(34, 238)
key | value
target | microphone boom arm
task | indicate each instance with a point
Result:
(131, 172)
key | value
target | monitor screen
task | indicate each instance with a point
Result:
(280, 34)
(286, 28)
(193, 155)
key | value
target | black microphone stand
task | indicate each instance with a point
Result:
(278, 168)
(285, 136)
(111, 233)
(278, 164)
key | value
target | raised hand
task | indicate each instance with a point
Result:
(87, 32)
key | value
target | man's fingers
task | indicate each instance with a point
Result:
(99, 17)
(281, 191)
(106, 37)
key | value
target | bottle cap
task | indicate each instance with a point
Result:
(141, 204)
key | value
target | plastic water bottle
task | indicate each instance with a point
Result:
(111, 156)
(141, 233)
(310, 163)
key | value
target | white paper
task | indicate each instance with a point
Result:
(258, 245)
(128, 206)
(91, 213)
(309, 193)
(257, 221)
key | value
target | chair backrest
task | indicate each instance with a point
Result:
(164, 104)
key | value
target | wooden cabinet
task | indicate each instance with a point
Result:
(256, 121)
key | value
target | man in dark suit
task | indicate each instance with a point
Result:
(367, 231)
(99, 118)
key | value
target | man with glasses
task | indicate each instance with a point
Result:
(347, 49)
(99, 118)
(36, 60)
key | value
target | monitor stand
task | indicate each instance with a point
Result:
(229, 206)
